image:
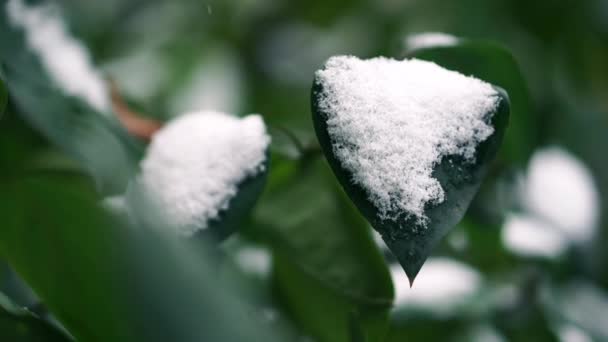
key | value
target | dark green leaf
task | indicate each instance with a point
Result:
(20, 325)
(324, 251)
(494, 64)
(3, 98)
(460, 180)
(324, 313)
(106, 281)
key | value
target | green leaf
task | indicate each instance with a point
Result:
(95, 139)
(494, 64)
(3, 98)
(20, 325)
(323, 250)
(407, 239)
(106, 281)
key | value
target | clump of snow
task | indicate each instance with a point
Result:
(572, 333)
(561, 205)
(66, 60)
(390, 122)
(560, 189)
(444, 284)
(429, 39)
(194, 165)
(528, 236)
(254, 260)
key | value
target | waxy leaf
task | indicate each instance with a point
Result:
(410, 239)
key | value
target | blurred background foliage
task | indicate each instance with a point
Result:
(305, 263)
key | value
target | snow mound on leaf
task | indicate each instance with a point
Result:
(391, 122)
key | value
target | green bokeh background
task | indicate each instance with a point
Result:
(329, 281)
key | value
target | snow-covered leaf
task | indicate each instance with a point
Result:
(492, 63)
(57, 91)
(410, 142)
(203, 171)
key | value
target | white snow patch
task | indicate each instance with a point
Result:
(572, 333)
(390, 122)
(529, 236)
(445, 283)
(66, 60)
(194, 164)
(429, 39)
(254, 260)
(560, 189)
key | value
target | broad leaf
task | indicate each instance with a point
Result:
(106, 281)
(326, 261)
(460, 179)
(494, 64)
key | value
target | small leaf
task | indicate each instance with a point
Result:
(20, 325)
(494, 64)
(409, 238)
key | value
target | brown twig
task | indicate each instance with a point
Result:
(135, 123)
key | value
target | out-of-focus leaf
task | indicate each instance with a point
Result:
(3, 98)
(20, 325)
(106, 281)
(407, 239)
(494, 64)
(578, 303)
(94, 139)
(326, 262)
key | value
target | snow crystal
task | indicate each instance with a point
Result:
(561, 190)
(390, 122)
(445, 283)
(429, 39)
(529, 236)
(66, 60)
(194, 165)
